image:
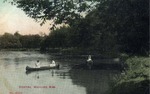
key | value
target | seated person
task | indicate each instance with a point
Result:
(89, 62)
(37, 64)
(89, 59)
(53, 64)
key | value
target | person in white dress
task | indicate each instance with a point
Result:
(53, 64)
(89, 62)
(37, 64)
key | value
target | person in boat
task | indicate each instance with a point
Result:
(89, 62)
(53, 64)
(37, 64)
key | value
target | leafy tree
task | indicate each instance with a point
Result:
(129, 19)
(109, 24)
(30, 41)
(123, 24)
(60, 11)
(17, 34)
(9, 41)
(58, 38)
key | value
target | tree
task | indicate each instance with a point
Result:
(17, 34)
(9, 41)
(30, 41)
(129, 19)
(58, 38)
(124, 23)
(60, 11)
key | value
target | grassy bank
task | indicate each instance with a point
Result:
(136, 78)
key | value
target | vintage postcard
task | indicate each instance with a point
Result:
(74, 47)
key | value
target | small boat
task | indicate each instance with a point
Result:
(42, 68)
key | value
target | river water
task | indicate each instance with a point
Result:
(15, 80)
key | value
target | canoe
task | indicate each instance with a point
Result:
(41, 68)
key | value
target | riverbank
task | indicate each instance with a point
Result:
(76, 53)
(21, 49)
(136, 77)
(82, 51)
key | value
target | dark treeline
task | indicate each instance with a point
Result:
(16, 40)
(114, 26)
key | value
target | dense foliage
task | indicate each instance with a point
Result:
(58, 38)
(8, 41)
(60, 11)
(108, 26)
(136, 78)
(114, 25)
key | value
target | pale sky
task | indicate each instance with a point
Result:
(13, 19)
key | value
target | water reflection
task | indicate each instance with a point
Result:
(94, 81)
(37, 75)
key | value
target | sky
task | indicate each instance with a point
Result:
(13, 19)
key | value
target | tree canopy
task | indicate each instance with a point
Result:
(60, 11)
(107, 25)
(8, 41)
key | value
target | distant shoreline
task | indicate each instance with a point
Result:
(20, 49)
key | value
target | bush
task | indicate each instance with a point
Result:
(136, 78)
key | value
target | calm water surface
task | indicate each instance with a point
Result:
(14, 79)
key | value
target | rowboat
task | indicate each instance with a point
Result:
(42, 68)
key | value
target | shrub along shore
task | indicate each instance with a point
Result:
(136, 77)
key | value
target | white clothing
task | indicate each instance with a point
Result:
(53, 64)
(37, 65)
(89, 58)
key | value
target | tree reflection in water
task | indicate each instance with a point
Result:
(95, 81)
